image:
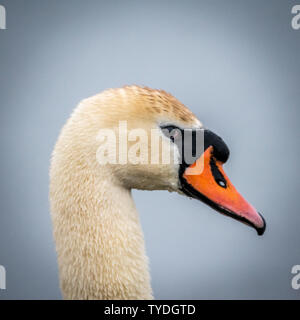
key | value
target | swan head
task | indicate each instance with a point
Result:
(146, 139)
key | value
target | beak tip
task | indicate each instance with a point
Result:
(260, 231)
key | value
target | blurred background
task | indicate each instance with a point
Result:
(235, 64)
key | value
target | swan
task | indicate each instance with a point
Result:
(98, 236)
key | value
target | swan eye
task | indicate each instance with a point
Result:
(172, 132)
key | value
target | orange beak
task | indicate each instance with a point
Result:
(207, 181)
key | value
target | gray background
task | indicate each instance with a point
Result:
(234, 63)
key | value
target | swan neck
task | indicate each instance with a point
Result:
(99, 240)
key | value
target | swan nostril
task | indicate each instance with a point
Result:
(221, 183)
(217, 174)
